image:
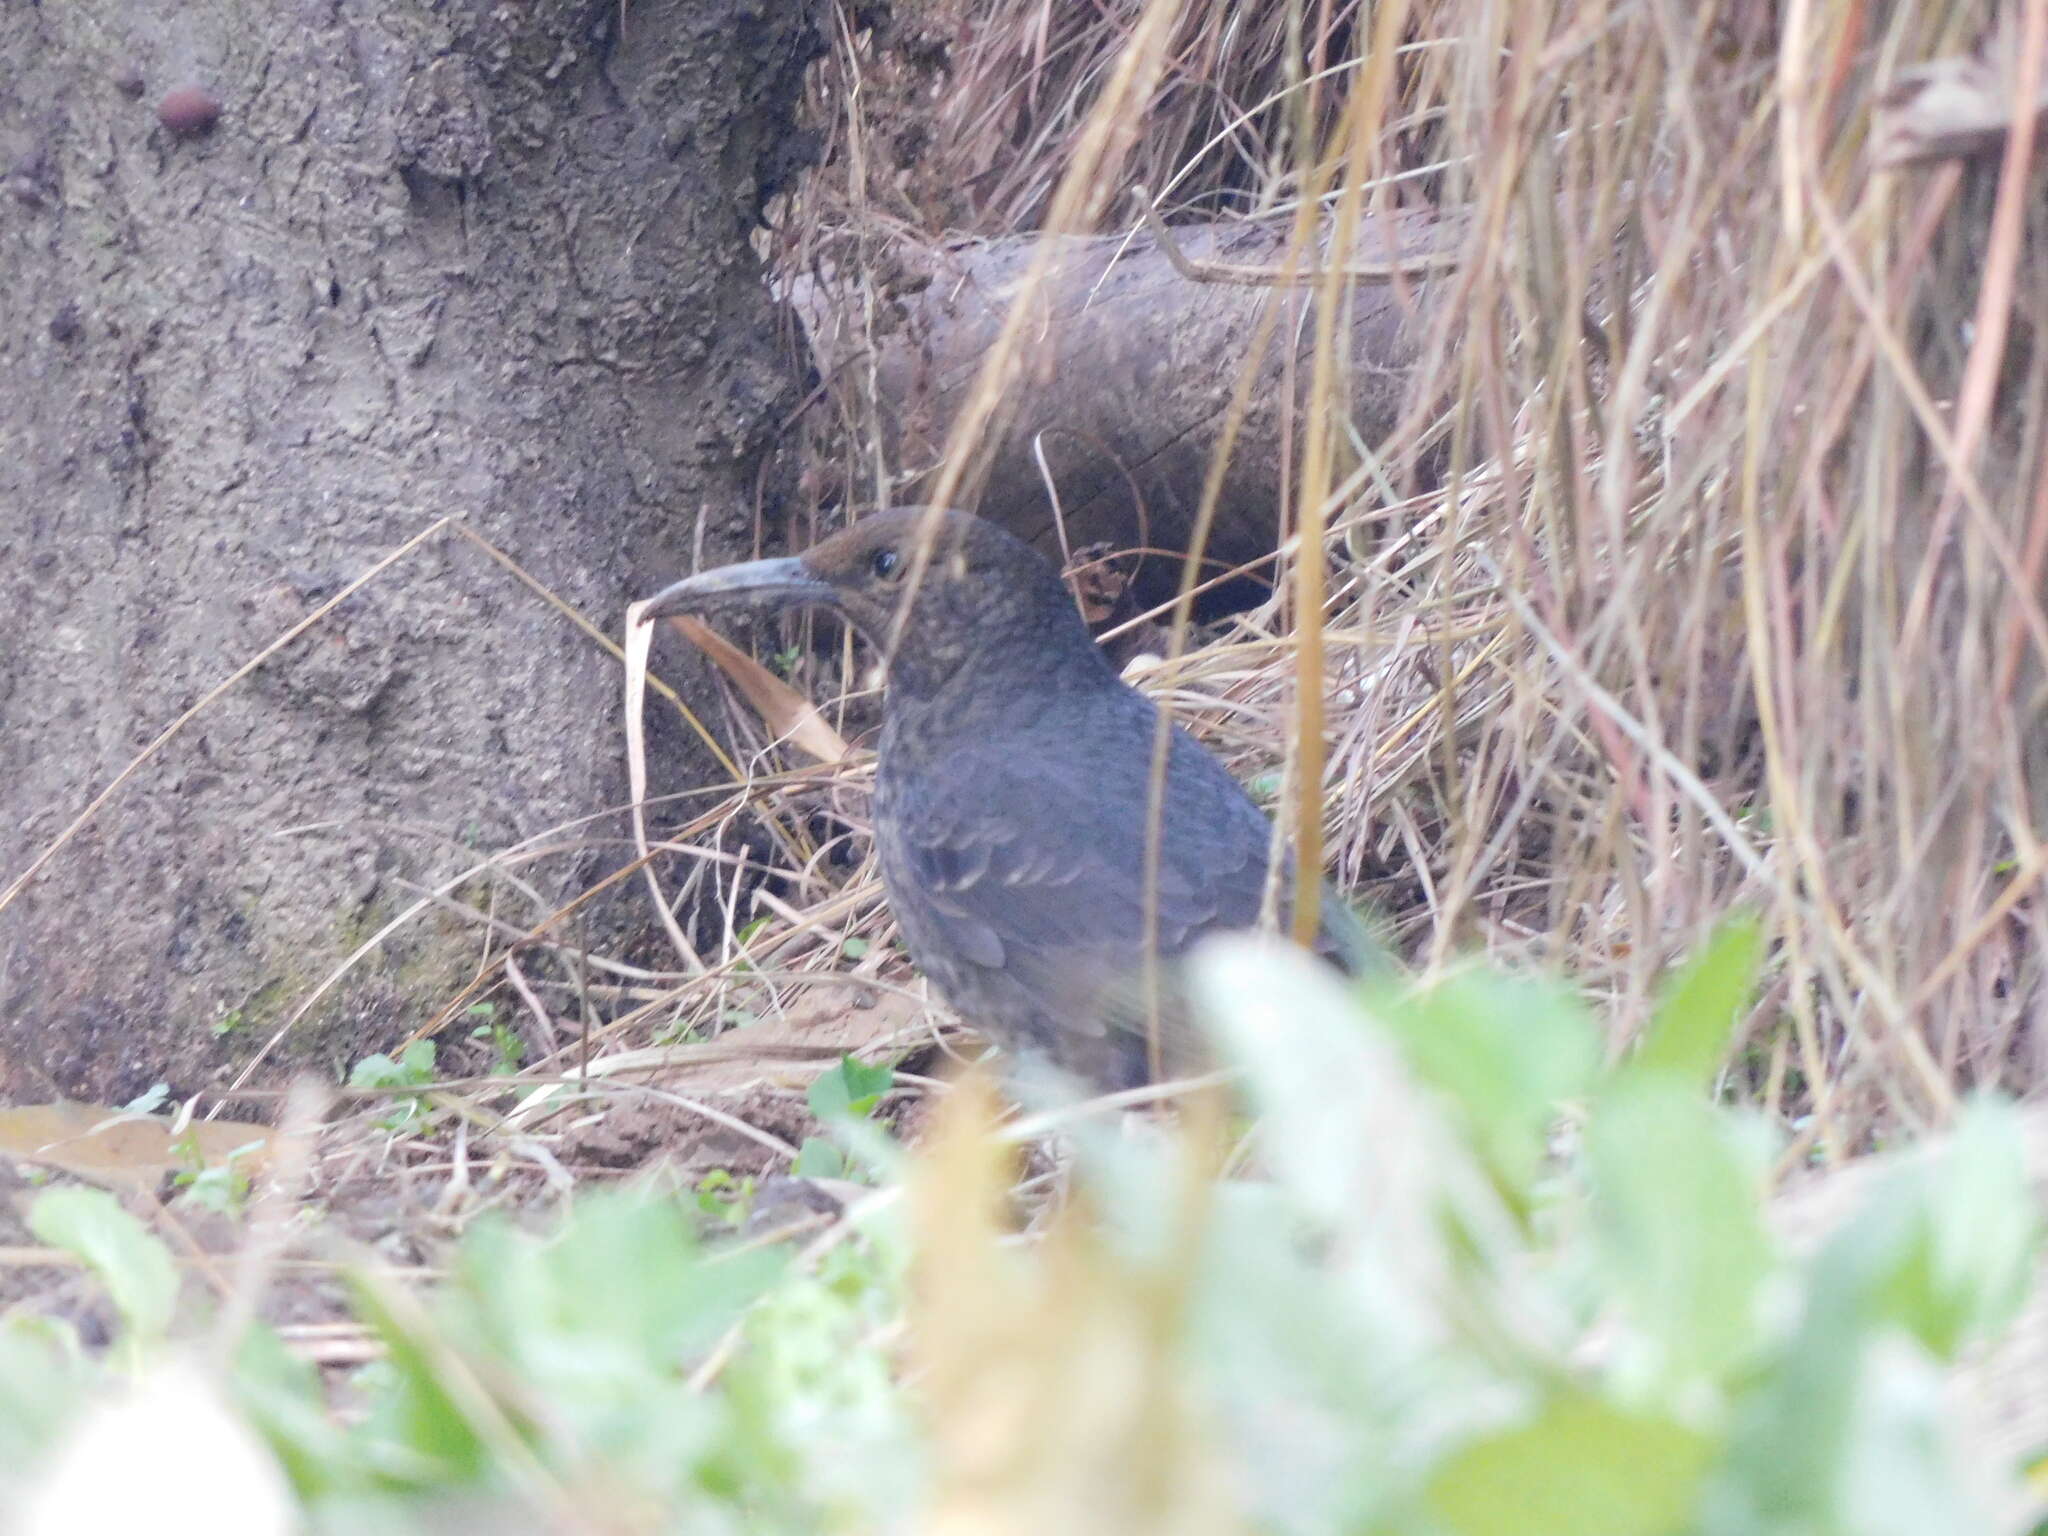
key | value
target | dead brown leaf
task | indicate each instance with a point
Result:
(791, 1047)
(787, 713)
(804, 1038)
(120, 1148)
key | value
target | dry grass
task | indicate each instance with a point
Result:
(1734, 607)
(1727, 596)
(1701, 614)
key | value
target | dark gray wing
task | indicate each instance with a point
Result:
(1018, 875)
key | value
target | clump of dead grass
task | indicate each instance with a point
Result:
(1727, 598)
(960, 116)
(1727, 594)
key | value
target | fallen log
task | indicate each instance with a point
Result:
(1109, 435)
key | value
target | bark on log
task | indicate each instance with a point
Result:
(1131, 375)
(420, 258)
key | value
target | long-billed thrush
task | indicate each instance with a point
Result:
(1012, 790)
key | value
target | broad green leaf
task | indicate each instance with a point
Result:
(1508, 1052)
(1986, 1226)
(1678, 1217)
(1343, 1129)
(817, 1158)
(1945, 1248)
(1579, 1468)
(1900, 1478)
(1689, 1034)
(529, 1298)
(43, 1379)
(283, 1398)
(130, 1260)
(415, 1430)
(848, 1089)
(414, 1068)
(1843, 1432)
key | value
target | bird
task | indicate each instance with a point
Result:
(1013, 779)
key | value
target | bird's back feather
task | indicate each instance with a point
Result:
(1015, 859)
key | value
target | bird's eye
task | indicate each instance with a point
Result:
(885, 563)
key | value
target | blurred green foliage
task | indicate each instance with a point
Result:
(1469, 1280)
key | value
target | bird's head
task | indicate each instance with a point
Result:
(930, 587)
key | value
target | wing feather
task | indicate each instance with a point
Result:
(1029, 869)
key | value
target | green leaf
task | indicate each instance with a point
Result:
(1688, 1036)
(1846, 1430)
(378, 1071)
(1333, 1095)
(130, 1260)
(818, 1159)
(1945, 1249)
(417, 1428)
(1987, 1227)
(724, 1198)
(1852, 1432)
(600, 1325)
(44, 1378)
(414, 1068)
(854, 949)
(507, 1049)
(1507, 1052)
(284, 1399)
(849, 1090)
(150, 1101)
(1678, 1217)
(1579, 1468)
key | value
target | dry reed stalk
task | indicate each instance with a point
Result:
(1652, 644)
(1717, 602)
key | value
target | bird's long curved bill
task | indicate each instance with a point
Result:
(757, 581)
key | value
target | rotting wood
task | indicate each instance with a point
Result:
(1110, 431)
(1283, 275)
